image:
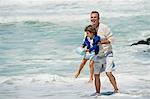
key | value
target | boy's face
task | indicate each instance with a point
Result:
(89, 34)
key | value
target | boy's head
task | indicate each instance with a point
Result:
(90, 31)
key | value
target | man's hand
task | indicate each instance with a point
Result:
(105, 41)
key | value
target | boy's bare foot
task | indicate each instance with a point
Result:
(90, 81)
(77, 74)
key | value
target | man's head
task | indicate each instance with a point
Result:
(95, 17)
(90, 31)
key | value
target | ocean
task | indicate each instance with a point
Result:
(38, 39)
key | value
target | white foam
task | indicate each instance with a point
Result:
(55, 85)
(116, 14)
(29, 79)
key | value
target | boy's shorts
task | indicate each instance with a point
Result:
(90, 56)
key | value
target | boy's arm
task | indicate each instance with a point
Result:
(84, 42)
(96, 44)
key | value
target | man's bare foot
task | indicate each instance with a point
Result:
(116, 91)
(77, 74)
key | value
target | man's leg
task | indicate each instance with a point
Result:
(113, 81)
(97, 82)
(81, 67)
(109, 68)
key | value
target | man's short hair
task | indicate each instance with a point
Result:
(97, 13)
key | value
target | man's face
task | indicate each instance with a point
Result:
(94, 19)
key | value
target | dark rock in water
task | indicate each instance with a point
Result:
(147, 42)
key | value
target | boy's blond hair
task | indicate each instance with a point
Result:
(91, 29)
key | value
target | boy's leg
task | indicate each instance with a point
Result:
(81, 67)
(97, 82)
(91, 70)
(98, 68)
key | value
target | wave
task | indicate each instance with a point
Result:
(60, 79)
(29, 2)
(65, 10)
(42, 2)
(63, 18)
(39, 78)
(46, 18)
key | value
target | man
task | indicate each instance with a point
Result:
(104, 61)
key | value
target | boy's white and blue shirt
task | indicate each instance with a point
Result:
(92, 44)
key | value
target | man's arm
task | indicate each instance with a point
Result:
(108, 36)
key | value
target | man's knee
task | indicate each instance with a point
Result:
(109, 74)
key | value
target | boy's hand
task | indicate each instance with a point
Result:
(81, 46)
(99, 43)
(87, 50)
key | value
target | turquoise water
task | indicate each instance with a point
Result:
(38, 39)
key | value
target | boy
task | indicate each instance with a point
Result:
(91, 45)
